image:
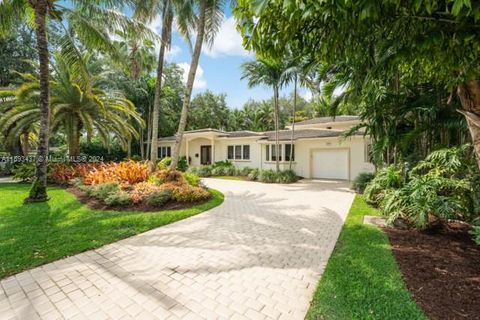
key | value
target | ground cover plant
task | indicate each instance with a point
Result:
(38, 233)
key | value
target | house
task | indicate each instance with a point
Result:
(319, 149)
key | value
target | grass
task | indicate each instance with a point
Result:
(38, 233)
(238, 178)
(362, 279)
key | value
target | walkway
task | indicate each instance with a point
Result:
(257, 256)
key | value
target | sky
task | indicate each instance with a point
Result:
(220, 66)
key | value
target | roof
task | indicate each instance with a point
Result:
(242, 134)
(328, 120)
(302, 134)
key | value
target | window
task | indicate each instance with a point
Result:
(246, 152)
(271, 153)
(238, 152)
(230, 152)
(274, 152)
(165, 152)
(289, 147)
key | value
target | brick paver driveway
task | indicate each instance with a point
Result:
(257, 256)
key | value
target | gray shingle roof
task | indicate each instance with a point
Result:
(242, 134)
(327, 120)
(302, 134)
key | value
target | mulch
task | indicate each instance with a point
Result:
(95, 204)
(441, 268)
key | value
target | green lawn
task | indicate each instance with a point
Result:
(37, 233)
(362, 279)
(230, 178)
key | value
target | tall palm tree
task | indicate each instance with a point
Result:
(210, 16)
(73, 109)
(85, 22)
(272, 73)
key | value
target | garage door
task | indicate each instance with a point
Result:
(330, 164)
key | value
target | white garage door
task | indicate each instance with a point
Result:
(330, 164)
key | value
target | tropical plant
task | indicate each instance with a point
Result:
(84, 19)
(159, 199)
(361, 181)
(385, 179)
(272, 73)
(390, 42)
(210, 15)
(127, 172)
(76, 104)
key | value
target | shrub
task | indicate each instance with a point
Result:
(187, 193)
(361, 181)
(425, 197)
(253, 174)
(24, 172)
(127, 172)
(192, 179)
(164, 176)
(119, 198)
(286, 176)
(387, 178)
(476, 234)
(142, 191)
(63, 173)
(104, 190)
(218, 171)
(164, 163)
(231, 171)
(223, 164)
(182, 164)
(159, 198)
(204, 171)
(267, 176)
(245, 171)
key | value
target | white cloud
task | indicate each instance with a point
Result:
(228, 42)
(306, 94)
(200, 81)
(156, 25)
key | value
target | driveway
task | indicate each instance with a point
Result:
(257, 256)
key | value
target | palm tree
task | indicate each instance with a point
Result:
(210, 15)
(76, 105)
(85, 21)
(272, 73)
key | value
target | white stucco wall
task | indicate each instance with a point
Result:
(303, 153)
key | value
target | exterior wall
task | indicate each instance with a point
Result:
(194, 149)
(303, 153)
(356, 146)
(255, 151)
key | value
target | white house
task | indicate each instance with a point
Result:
(320, 150)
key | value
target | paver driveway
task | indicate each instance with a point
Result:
(257, 256)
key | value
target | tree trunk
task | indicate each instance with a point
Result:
(188, 89)
(469, 94)
(142, 145)
(38, 192)
(276, 113)
(293, 122)
(166, 35)
(25, 143)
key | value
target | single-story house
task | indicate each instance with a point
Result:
(319, 149)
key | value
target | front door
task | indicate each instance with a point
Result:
(205, 155)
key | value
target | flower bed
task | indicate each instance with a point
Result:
(129, 186)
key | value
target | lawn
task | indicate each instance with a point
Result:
(362, 279)
(237, 178)
(38, 233)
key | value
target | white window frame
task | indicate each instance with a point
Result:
(271, 146)
(164, 151)
(242, 152)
